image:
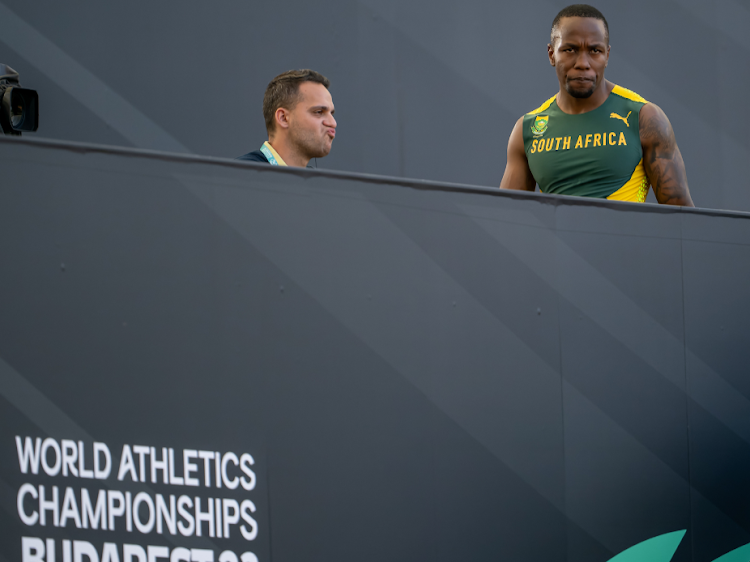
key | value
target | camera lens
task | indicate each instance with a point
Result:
(17, 112)
(19, 109)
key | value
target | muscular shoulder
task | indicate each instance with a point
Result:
(651, 111)
(516, 135)
(654, 126)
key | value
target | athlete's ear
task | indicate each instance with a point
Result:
(551, 53)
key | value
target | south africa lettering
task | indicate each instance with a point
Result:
(592, 140)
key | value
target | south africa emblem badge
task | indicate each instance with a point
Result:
(540, 125)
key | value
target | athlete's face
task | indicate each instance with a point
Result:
(312, 126)
(580, 54)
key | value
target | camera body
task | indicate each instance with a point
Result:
(19, 107)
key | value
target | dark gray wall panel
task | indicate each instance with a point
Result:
(623, 364)
(421, 370)
(611, 474)
(717, 332)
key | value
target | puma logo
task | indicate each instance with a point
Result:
(623, 119)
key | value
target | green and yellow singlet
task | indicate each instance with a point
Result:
(594, 154)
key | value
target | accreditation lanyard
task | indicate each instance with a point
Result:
(273, 158)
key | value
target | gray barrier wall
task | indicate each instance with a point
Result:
(423, 89)
(417, 371)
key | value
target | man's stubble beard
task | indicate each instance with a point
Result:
(309, 145)
(578, 93)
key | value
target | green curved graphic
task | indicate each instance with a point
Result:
(741, 554)
(660, 549)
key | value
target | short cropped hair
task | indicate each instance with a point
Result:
(577, 11)
(283, 91)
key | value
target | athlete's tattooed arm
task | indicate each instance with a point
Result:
(517, 173)
(662, 158)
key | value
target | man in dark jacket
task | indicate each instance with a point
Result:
(298, 110)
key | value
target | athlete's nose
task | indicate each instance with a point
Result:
(583, 61)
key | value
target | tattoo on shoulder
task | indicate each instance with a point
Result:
(657, 134)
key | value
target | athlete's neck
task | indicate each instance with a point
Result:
(574, 106)
(288, 151)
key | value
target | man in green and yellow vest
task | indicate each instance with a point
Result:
(594, 138)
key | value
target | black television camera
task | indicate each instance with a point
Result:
(19, 107)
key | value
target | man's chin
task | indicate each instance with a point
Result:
(322, 151)
(579, 92)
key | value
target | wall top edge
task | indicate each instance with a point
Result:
(412, 183)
